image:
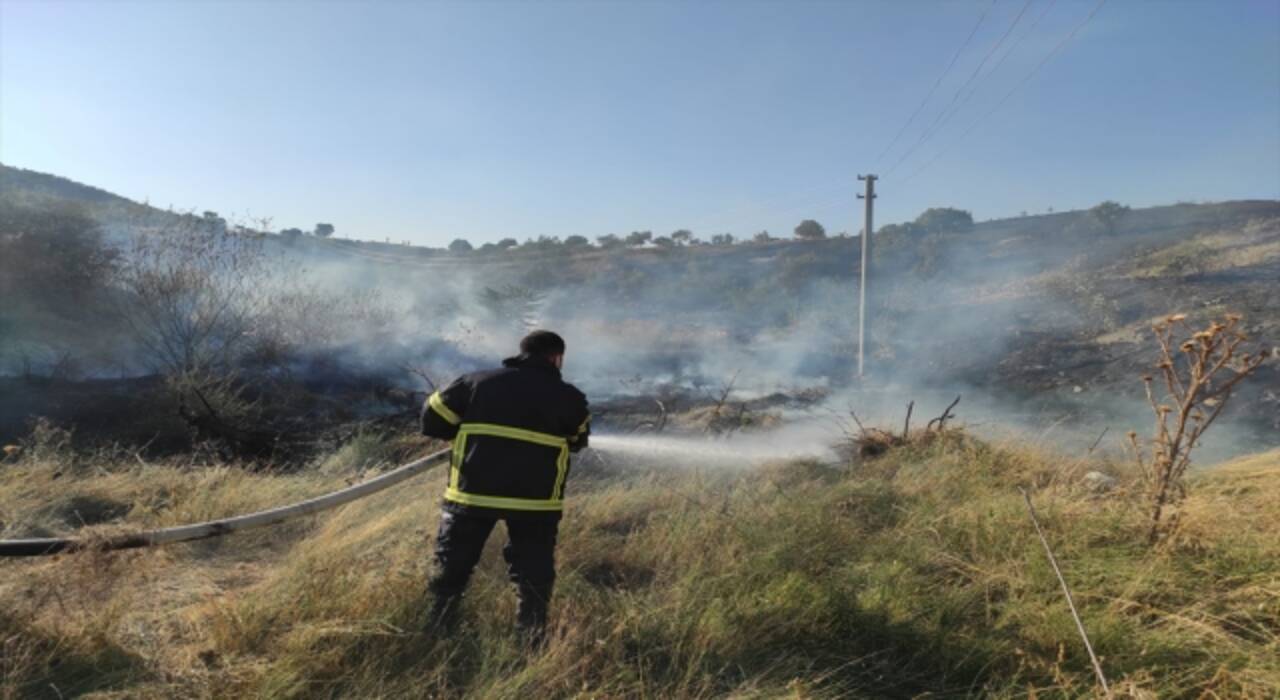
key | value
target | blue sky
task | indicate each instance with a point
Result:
(427, 121)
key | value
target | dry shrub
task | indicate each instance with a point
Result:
(1200, 370)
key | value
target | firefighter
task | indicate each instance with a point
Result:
(512, 430)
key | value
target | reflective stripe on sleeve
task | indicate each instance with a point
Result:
(581, 429)
(437, 404)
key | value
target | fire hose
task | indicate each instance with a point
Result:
(225, 526)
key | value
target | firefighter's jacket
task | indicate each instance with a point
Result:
(512, 431)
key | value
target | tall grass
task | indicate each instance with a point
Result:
(915, 573)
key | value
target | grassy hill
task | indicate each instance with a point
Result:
(19, 183)
(915, 574)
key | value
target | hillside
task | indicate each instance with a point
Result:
(1042, 316)
(29, 186)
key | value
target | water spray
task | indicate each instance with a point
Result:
(796, 442)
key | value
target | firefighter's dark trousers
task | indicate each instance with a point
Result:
(530, 556)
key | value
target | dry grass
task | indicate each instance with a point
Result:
(916, 572)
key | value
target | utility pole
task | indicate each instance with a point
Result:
(867, 228)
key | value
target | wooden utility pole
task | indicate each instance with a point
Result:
(867, 228)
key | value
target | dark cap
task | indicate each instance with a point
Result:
(542, 344)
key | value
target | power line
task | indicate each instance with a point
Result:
(994, 69)
(1025, 79)
(982, 18)
(1021, 38)
(947, 112)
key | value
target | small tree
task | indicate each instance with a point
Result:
(722, 239)
(945, 220)
(324, 230)
(635, 239)
(682, 236)
(460, 245)
(577, 242)
(762, 237)
(609, 241)
(291, 234)
(1108, 215)
(664, 242)
(507, 243)
(214, 222)
(810, 230)
(903, 231)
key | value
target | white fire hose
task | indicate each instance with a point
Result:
(226, 526)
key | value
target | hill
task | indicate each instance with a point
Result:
(18, 184)
(1039, 316)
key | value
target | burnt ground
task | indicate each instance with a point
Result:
(1083, 339)
(283, 423)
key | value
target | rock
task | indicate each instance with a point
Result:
(1097, 482)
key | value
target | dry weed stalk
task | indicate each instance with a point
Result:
(873, 442)
(1200, 372)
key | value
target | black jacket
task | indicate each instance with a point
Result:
(512, 431)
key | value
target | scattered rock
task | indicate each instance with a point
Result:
(1097, 482)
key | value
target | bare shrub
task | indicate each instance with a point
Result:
(192, 292)
(1200, 369)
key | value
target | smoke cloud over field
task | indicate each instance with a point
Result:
(1016, 316)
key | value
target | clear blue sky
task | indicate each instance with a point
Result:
(426, 121)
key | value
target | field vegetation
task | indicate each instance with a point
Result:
(912, 573)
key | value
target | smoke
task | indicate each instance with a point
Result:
(1006, 315)
(1005, 318)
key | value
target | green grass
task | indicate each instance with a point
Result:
(914, 574)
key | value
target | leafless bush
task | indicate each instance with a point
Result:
(192, 294)
(1200, 369)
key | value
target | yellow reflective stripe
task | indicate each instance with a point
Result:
(581, 429)
(437, 404)
(455, 464)
(513, 433)
(457, 495)
(472, 499)
(562, 468)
